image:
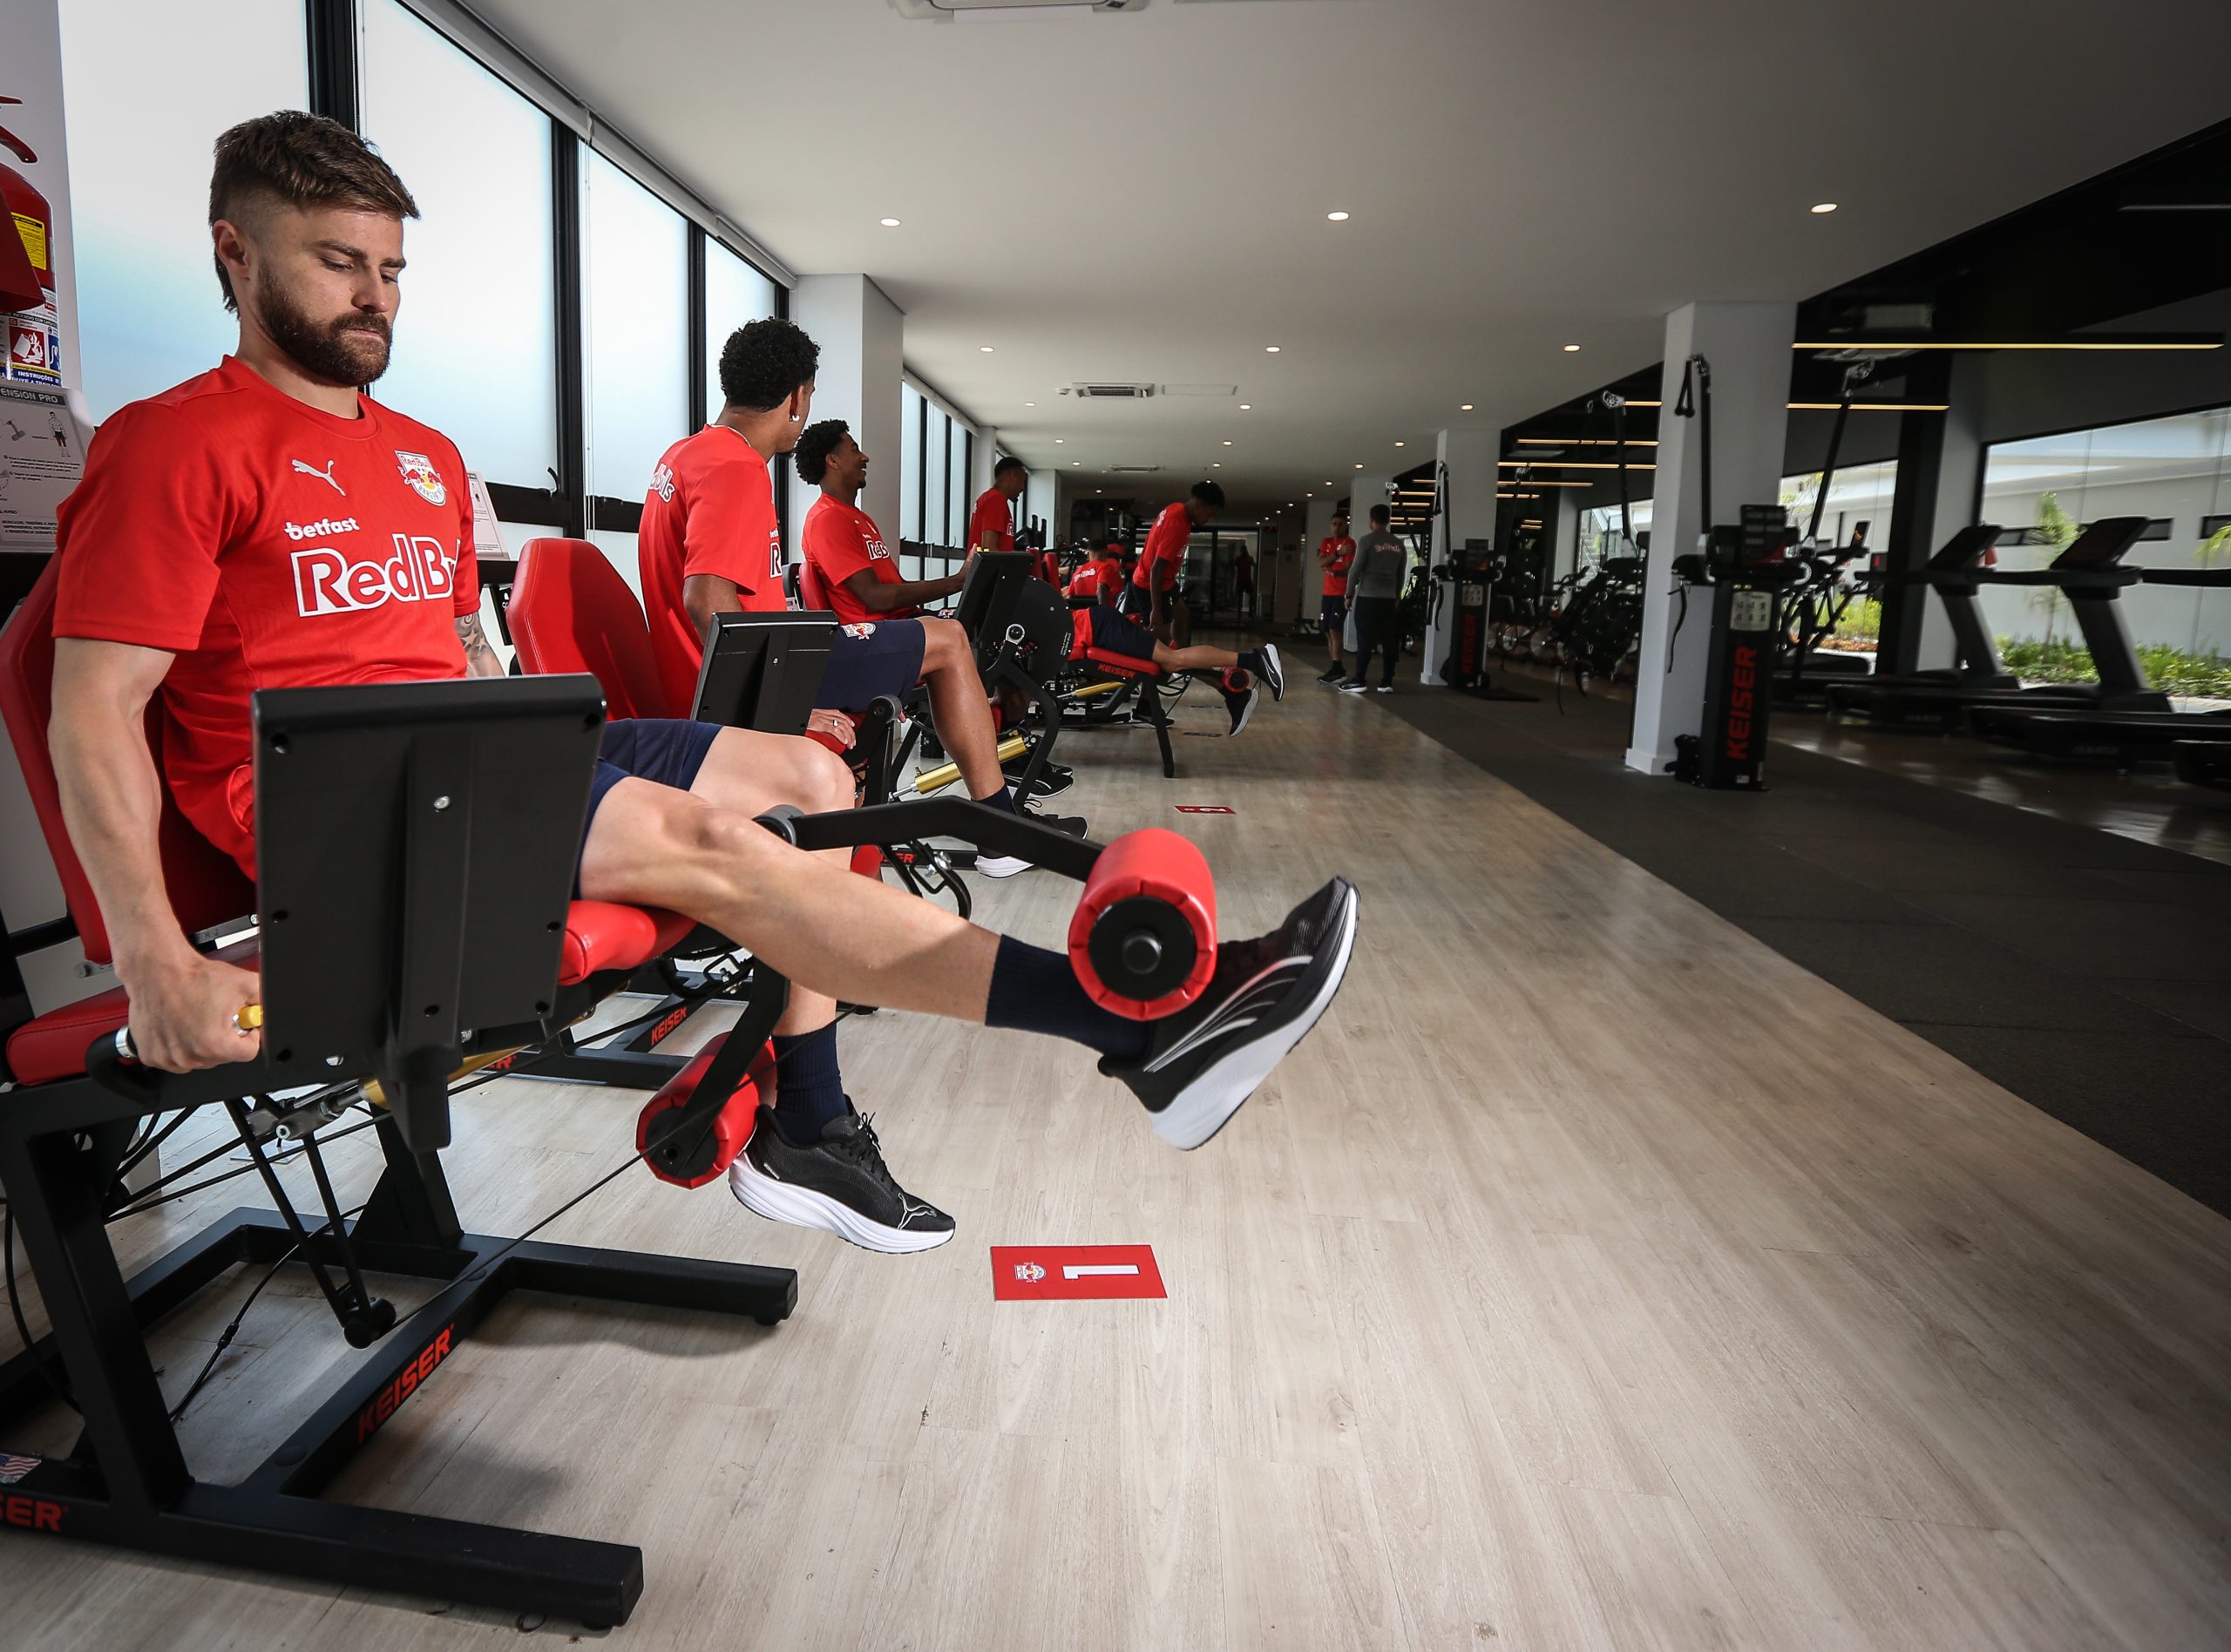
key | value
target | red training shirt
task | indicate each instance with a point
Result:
(711, 509)
(839, 541)
(994, 514)
(1166, 542)
(1092, 578)
(1336, 575)
(265, 545)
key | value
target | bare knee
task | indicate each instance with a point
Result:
(944, 644)
(824, 779)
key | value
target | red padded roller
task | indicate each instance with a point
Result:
(1143, 940)
(688, 1153)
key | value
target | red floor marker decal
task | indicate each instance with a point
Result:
(1204, 809)
(1074, 1273)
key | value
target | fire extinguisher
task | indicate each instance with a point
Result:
(29, 323)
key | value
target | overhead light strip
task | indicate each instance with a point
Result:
(1572, 464)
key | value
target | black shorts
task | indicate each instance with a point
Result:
(882, 656)
(1331, 612)
(1113, 634)
(664, 750)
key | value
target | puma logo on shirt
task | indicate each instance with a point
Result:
(324, 476)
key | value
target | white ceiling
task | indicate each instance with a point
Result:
(1142, 195)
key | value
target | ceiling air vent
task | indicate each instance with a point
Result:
(1116, 392)
(1134, 469)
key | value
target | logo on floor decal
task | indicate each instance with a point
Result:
(1074, 1273)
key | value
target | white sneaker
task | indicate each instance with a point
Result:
(1002, 865)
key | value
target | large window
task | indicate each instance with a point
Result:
(910, 462)
(2176, 472)
(960, 497)
(481, 351)
(734, 294)
(1860, 496)
(146, 88)
(476, 347)
(636, 319)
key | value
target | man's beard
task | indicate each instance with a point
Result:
(352, 351)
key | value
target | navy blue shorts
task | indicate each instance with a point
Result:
(1113, 634)
(664, 750)
(1332, 613)
(871, 660)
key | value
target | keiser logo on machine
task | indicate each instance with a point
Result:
(404, 1385)
(327, 581)
(1742, 694)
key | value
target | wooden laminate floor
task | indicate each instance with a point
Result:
(1593, 1278)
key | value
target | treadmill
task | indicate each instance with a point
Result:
(2090, 572)
(1953, 573)
(2119, 736)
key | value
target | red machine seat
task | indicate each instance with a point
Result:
(599, 935)
(571, 611)
(812, 592)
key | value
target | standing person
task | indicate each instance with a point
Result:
(1375, 585)
(1243, 582)
(991, 525)
(1335, 552)
(1153, 598)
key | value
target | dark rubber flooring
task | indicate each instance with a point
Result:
(2087, 973)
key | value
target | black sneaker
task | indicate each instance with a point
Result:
(1009, 865)
(1052, 783)
(1241, 706)
(1203, 1062)
(1333, 672)
(1355, 686)
(839, 1185)
(1273, 672)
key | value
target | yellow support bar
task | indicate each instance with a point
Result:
(944, 775)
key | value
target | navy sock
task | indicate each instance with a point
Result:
(1038, 992)
(1003, 798)
(809, 1090)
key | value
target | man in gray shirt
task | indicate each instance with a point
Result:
(1375, 592)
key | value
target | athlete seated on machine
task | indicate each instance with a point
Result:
(1099, 578)
(841, 541)
(710, 543)
(265, 525)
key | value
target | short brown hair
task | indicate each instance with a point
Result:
(300, 160)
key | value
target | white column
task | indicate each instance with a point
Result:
(863, 339)
(1470, 457)
(1747, 345)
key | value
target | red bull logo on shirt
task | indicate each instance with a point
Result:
(326, 581)
(425, 481)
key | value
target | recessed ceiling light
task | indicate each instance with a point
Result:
(1401, 444)
(1572, 349)
(1466, 408)
(1338, 218)
(1057, 440)
(1227, 444)
(890, 223)
(1030, 404)
(1822, 208)
(1076, 461)
(986, 348)
(1270, 349)
(1215, 465)
(1359, 467)
(1247, 407)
